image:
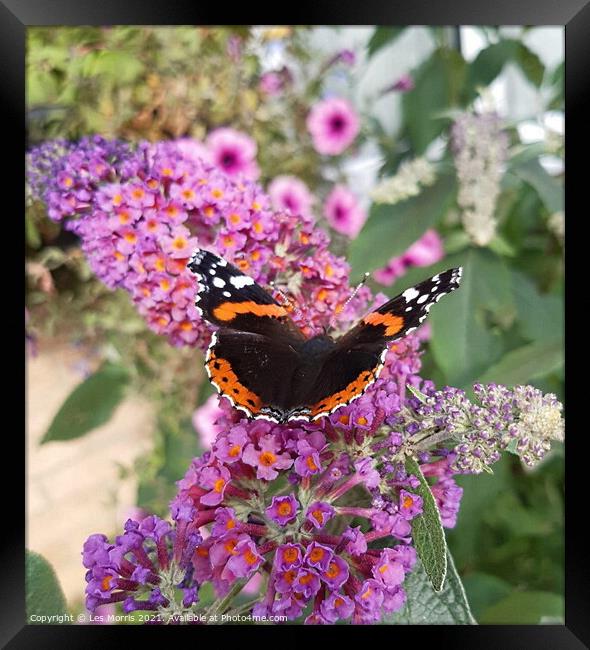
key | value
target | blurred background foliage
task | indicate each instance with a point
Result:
(506, 323)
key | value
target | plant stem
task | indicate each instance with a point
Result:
(220, 605)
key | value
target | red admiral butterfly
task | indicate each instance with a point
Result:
(268, 368)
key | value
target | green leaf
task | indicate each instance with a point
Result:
(525, 607)
(416, 393)
(391, 229)
(90, 404)
(526, 363)
(540, 316)
(424, 606)
(489, 63)
(427, 532)
(383, 36)
(484, 590)
(549, 189)
(530, 64)
(464, 344)
(44, 594)
(438, 86)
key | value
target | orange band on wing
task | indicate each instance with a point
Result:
(393, 324)
(226, 381)
(344, 396)
(227, 311)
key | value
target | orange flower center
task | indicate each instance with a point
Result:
(285, 508)
(267, 458)
(219, 485)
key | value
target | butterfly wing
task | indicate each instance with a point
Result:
(253, 371)
(357, 360)
(228, 298)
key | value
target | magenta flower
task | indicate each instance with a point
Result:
(288, 556)
(215, 480)
(318, 556)
(319, 513)
(233, 152)
(337, 607)
(333, 125)
(282, 510)
(343, 212)
(244, 561)
(389, 571)
(266, 458)
(410, 505)
(291, 193)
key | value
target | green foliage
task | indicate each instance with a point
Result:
(427, 532)
(390, 229)
(439, 83)
(425, 606)
(490, 62)
(466, 323)
(526, 608)
(383, 36)
(91, 404)
(44, 595)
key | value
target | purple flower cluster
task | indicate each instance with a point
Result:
(146, 568)
(141, 212)
(521, 419)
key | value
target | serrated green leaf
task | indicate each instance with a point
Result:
(549, 189)
(526, 363)
(44, 595)
(424, 606)
(427, 532)
(391, 229)
(383, 36)
(438, 86)
(90, 404)
(525, 607)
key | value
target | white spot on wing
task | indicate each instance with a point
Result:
(240, 281)
(410, 294)
(218, 282)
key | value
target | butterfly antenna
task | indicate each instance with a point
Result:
(340, 308)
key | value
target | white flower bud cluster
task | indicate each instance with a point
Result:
(411, 175)
(480, 148)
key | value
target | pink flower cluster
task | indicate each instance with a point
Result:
(140, 217)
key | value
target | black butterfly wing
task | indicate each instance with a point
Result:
(254, 372)
(228, 298)
(357, 359)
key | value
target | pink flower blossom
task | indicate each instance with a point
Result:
(333, 125)
(290, 193)
(343, 212)
(233, 152)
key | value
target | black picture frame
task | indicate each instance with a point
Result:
(17, 15)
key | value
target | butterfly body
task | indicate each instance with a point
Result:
(263, 363)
